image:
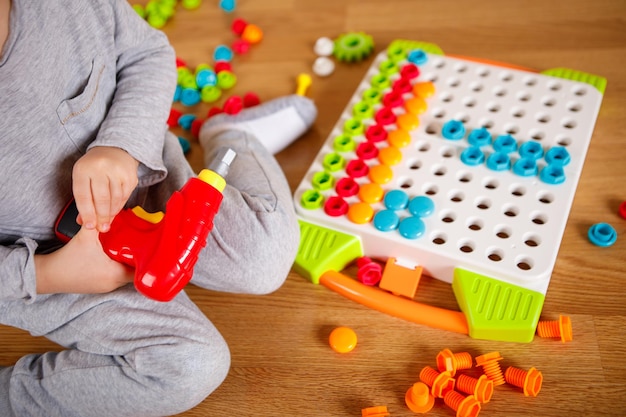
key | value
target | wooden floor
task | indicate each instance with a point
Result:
(281, 362)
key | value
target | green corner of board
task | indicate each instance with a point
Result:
(322, 249)
(496, 310)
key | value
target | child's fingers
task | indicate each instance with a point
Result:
(84, 202)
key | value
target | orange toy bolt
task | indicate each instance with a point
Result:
(481, 388)
(556, 328)
(379, 411)
(530, 381)
(440, 383)
(464, 406)
(418, 398)
(491, 367)
(451, 362)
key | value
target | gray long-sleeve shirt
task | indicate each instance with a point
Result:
(73, 75)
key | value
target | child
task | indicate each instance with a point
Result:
(85, 90)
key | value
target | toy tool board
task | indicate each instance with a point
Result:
(448, 162)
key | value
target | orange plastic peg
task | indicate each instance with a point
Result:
(379, 411)
(530, 381)
(449, 361)
(418, 398)
(440, 383)
(491, 367)
(481, 388)
(556, 328)
(464, 406)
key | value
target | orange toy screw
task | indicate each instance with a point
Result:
(418, 398)
(481, 388)
(379, 411)
(530, 381)
(464, 406)
(440, 383)
(449, 361)
(491, 367)
(556, 328)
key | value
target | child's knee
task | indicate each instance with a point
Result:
(184, 374)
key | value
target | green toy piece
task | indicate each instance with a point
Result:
(353, 46)
(496, 310)
(322, 249)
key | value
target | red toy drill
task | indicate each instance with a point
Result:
(164, 248)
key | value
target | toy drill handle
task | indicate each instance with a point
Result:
(164, 248)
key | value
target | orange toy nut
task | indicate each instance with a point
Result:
(418, 398)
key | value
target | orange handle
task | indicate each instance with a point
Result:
(388, 303)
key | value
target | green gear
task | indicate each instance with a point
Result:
(353, 46)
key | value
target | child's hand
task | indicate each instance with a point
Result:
(80, 267)
(102, 181)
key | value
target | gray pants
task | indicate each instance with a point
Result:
(130, 356)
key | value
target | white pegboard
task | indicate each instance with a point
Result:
(496, 223)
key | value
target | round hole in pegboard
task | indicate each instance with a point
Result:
(542, 117)
(554, 85)
(422, 146)
(506, 76)
(414, 164)
(510, 210)
(453, 82)
(524, 263)
(456, 196)
(466, 246)
(563, 140)
(438, 238)
(537, 134)
(517, 112)
(446, 97)
(439, 63)
(548, 101)
(574, 106)
(579, 90)
(439, 170)
(483, 72)
(490, 183)
(524, 96)
(517, 190)
(462, 117)
(495, 254)
(530, 81)
(430, 189)
(511, 129)
(405, 182)
(482, 203)
(432, 129)
(464, 176)
(532, 240)
(568, 123)
(475, 224)
(447, 216)
(538, 218)
(438, 113)
(545, 197)
(503, 231)
(430, 77)
(469, 102)
(476, 87)
(447, 152)
(460, 67)
(493, 107)
(499, 91)
(486, 123)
